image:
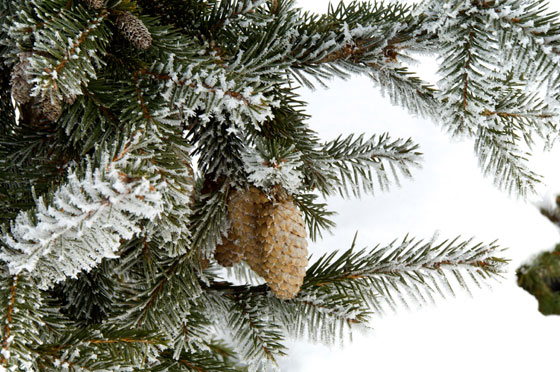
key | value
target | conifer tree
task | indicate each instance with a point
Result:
(146, 145)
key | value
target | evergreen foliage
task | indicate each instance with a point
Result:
(125, 125)
(541, 278)
(541, 275)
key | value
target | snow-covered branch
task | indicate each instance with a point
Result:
(84, 221)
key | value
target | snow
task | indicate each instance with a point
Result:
(267, 172)
(98, 205)
(451, 196)
(498, 329)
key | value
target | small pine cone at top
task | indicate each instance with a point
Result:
(51, 107)
(94, 4)
(21, 89)
(134, 30)
(243, 209)
(284, 240)
(228, 253)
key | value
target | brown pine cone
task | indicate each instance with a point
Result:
(51, 107)
(21, 89)
(284, 247)
(228, 253)
(134, 30)
(243, 209)
(94, 4)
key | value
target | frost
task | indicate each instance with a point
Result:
(85, 223)
(5, 353)
(269, 171)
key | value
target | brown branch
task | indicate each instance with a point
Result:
(158, 289)
(347, 52)
(467, 65)
(511, 115)
(145, 111)
(122, 154)
(56, 348)
(355, 49)
(190, 365)
(103, 14)
(110, 115)
(117, 340)
(71, 365)
(431, 266)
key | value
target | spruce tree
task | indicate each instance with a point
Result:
(147, 145)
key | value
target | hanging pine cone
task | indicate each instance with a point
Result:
(94, 4)
(21, 89)
(134, 30)
(69, 99)
(51, 107)
(228, 253)
(283, 236)
(243, 209)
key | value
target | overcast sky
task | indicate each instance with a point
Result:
(498, 329)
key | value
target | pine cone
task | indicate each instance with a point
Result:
(283, 236)
(243, 209)
(204, 262)
(69, 99)
(94, 4)
(228, 253)
(21, 89)
(51, 107)
(134, 30)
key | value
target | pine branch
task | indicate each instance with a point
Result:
(468, 72)
(530, 36)
(61, 68)
(209, 221)
(89, 298)
(222, 13)
(504, 162)
(88, 215)
(27, 161)
(406, 89)
(316, 215)
(91, 121)
(321, 315)
(344, 44)
(483, 99)
(150, 283)
(219, 148)
(258, 338)
(195, 361)
(98, 348)
(524, 114)
(201, 85)
(364, 165)
(411, 270)
(340, 290)
(23, 313)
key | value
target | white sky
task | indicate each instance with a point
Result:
(498, 329)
